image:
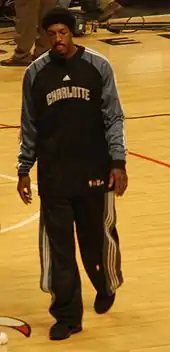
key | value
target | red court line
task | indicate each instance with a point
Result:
(2, 126)
(6, 127)
(159, 162)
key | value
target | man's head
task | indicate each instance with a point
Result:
(59, 24)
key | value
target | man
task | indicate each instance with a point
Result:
(72, 123)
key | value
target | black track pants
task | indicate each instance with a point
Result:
(94, 216)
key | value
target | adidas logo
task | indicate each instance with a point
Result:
(66, 78)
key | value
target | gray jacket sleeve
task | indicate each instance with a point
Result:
(27, 152)
(113, 117)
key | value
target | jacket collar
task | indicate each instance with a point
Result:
(59, 59)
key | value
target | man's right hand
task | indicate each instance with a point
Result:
(24, 189)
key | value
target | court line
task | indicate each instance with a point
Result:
(26, 221)
(148, 158)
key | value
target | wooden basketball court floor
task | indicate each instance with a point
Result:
(140, 319)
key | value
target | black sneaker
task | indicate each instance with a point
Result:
(61, 331)
(13, 61)
(103, 303)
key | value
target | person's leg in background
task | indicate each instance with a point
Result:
(99, 245)
(28, 31)
(64, 3)
(26, 28)
(59, 270)
(101, 10)
(109, 9)
(41, 39)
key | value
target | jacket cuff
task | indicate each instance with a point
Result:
(118, 164)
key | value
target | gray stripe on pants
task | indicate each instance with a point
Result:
(45, 260)
(111, 253)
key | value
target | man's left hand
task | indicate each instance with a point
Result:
(119, 179)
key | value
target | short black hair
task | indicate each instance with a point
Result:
(59, 15)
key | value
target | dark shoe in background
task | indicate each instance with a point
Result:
(14, 61)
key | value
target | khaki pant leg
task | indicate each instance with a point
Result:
(104, 3)
(42, 43)
(27, 12)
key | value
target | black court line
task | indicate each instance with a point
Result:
(119, 41)
(167, 36)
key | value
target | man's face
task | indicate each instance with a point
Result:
(60, 38)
